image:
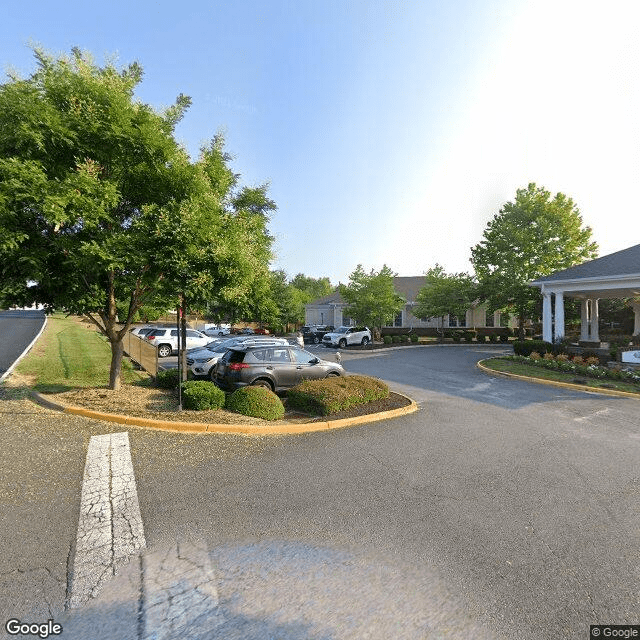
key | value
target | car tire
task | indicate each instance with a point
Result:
(342, 344)
(212, 374)
(220, 333)
(316, 340)
(262, 382)
(164, 350)
(333, 374)
(365, 341)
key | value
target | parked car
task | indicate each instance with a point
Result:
(202, 361)
(247, 331)
(344, 336)
(276, 367)
(167, 340)
(217, 330)
(141, 332)
(315, 332)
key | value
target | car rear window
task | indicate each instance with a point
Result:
(234, 356)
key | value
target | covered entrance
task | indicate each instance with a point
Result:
(614, 276)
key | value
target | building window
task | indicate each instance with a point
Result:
(455, 321)
(397, 322)
(488, 321)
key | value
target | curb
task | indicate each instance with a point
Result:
(555, 383)
(244, 429)
(24, 353)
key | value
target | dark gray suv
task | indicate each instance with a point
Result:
(275, 366)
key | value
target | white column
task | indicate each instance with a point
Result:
(558, 327)
(584, 319)
(636, 324)
(546, 317)
(594, 321)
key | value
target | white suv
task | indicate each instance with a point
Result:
(344, 336)
(167, 340)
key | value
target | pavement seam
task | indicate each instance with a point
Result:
(555, 383)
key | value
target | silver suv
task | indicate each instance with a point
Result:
(275, 367)
(202, 361)
(344, 336)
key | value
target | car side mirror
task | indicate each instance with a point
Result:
(314, 361)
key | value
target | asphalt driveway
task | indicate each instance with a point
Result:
(502, 509)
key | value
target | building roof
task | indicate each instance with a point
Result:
(620, 263)
(406, 286)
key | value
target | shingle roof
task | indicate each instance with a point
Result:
(406, 286)
(620, 263)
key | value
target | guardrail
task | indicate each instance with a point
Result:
(142, 352)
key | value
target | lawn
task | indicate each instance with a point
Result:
(523, 369)
(71, 354)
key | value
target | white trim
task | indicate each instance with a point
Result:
(24, 353)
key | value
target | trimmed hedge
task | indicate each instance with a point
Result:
(324, 397)
(201, 395)
(167, 379)
(386, 339)
(258, 402)
(414, 337)
(525, 347)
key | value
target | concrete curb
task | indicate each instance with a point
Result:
(244, 429)
(555, 383)
(24, 353)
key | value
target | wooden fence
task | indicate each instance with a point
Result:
(142, 352)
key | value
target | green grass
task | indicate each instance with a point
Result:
(522, 369)
(71, 354)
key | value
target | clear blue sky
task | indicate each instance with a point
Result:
(389, 131)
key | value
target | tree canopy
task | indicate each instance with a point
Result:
(444, 294)
(371, 298)
(531, 237)
(100, 205)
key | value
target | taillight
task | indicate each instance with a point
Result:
(150, 337)
(236, 366)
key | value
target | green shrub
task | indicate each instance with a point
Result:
(457, 336)
(414, 337)
(525, 347)
(395, 339)
(493, 337)
(468, 336)
(167, 379)
(386, 339)
(201, 395)
(258, 402)
(404, 338)
(504, 337)
(331, 395)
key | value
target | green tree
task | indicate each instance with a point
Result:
(100, 204)
(531, 237)
(444, 295)
(371, 298)
(314, 288)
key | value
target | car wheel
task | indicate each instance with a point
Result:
(262, 382)
(220, 333)
(342, 344)
(365, 341)
(333, 374)
(212, 373)
(316, 340)
(164, 350)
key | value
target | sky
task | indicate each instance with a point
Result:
(389, 131)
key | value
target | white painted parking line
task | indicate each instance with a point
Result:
(110, 527)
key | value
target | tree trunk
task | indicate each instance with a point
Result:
(521, 335)
(117, 349)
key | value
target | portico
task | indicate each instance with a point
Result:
(614, 276)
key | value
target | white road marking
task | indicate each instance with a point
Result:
(110, 528)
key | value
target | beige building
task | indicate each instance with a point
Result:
(329, 310)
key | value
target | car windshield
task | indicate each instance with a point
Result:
(342, 329)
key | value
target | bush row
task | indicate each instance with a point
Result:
(321, 397)
(578, 366)
(324, 397)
